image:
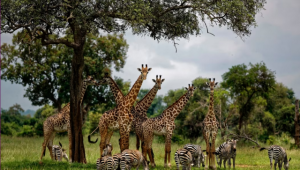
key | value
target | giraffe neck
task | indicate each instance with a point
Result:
(143, 105)
(116, 91)
(83, 89)
(132, 95)
(176, 107)
(211, 104)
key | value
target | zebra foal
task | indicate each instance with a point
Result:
(197, 154)
(106, 162)
(183, 157)
(58, 152)
(132, 158)
(279, 155)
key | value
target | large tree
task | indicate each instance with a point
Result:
(245, 84)
(45, 70)
(42, 19)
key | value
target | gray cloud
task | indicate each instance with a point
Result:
(275, 41)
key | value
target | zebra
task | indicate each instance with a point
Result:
(58, 152)
(106, 162)
(279, 155)
(197, 153)
(226, 151)
(117, 159)
(185, 158)
(132, 158)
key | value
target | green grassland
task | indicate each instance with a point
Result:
(24, 153)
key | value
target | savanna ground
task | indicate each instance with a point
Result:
(24, 153)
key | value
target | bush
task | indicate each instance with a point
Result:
(271, 140)
(39, 129)
(175, 139)
(6, 129)
(27, 131)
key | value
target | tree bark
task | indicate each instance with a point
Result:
(297, 124)
(76, 117)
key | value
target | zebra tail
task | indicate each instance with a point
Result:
(89, 137)
(177, 160)
(262, 149)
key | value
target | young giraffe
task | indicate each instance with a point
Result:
(120, 117)
(210, 128)
(140, 110)
(60, 122)
(163, 125)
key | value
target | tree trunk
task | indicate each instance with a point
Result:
(297, 124)
(77, 146)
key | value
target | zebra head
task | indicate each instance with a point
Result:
(286, 163)
(64, 154)
(232, 143)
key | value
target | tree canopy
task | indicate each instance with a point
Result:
(45, 70)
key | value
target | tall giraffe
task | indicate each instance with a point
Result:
(163, 125)
(210, 129)
(120, 117)
(139, 112)
(60, 122)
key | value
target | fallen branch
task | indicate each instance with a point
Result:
(245, 137)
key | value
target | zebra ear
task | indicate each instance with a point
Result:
(290, 159)
(60, 144)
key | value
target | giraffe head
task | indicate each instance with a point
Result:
(90, 81)
(106, 79)
(211, 84)
(158, 82)
(144, 71)
(190, 90)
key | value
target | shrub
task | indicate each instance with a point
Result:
(27, 131)
(6, 129)
(39, 129)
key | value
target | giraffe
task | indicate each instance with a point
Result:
(163, 125)
(60, 122)
(114, 88)
(210, 127)
(140, 110)
(120, 117)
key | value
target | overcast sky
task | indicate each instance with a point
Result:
(276, 41)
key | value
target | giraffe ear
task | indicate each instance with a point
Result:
(153, 80)
(216, 84)
(162, 80)
(149, 69)
(139, 69)
(186, 88)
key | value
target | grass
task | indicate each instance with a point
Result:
(24, 153)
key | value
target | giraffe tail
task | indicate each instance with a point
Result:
(89, 137)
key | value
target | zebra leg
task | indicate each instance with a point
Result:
(233, 162)
(225, 162)
(177, 160)
(229, 163)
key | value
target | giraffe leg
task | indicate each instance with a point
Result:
(50, 144)
(47, 135)
(144, 150)
(124, 133)
(70, 144)
(137, 142)
(168, 149)
(108, 137)
(206, 138)
(103, 133)
(149, 150)
(212, 151)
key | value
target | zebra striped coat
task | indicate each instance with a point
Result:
(117, 159)
(197, 153)
(279, 155)
(58, 152)
(105, 163)
(132, 158)
(183, 157)
(226, 151)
